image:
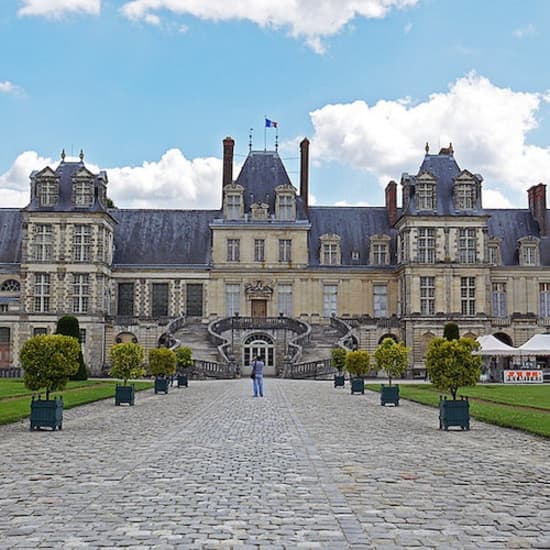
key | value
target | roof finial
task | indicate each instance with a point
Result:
(427, 148)
(81, 156)
(63, 155)
(451, 150)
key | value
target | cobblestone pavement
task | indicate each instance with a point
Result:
(308, 466)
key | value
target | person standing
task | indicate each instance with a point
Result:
(258, 380)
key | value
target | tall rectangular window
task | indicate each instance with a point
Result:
(160, 300)
(426, 245)
(42, 243)
(499, 299)
(82, 243)
(468, 295)
(284, 293)
(425, 196)
(285, 250)
(494, 256)
(259, 250)
(81, 292)
(380, 300)
(194, 300)
(48, 192)
(544, 296)
(41, 292)
(233, 250)
(427, 295)
(83, 192)
(380, 253)
(125, 299)
(232, 299)
(464, 196)
(330, 253)
(286, 207)
(467, 246)
(233, 206)
(330, 300)
(529, 255)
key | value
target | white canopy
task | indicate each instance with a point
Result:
(539, 344)
(493, 346)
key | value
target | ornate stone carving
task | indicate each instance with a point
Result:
(259, 289)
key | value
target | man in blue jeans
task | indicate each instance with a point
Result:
(258, 380)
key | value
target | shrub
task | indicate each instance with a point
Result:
(338, 357)
(126, 361)
(162, 362)
(450, 331)
(49, 361)
(357, 362)
(68, 325)
(392, 358)
(184, 358)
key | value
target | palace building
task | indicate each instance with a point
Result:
(269, 273)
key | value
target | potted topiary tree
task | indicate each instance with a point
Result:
(451, 365)
(184, 360)
(68, 325)
(338, 358)
(162, 363)
(357, 364)
(126, 363)
(392, 358)
(48, 362)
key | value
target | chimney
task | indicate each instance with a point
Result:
(391, 201)
(304, 170)
(537, 206)
(228, 146)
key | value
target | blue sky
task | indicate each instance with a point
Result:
(149, 88)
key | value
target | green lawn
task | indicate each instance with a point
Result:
(503, 405)
(15, 398)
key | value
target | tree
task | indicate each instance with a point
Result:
(357, 362)
(68, 325)
(450, 331)
(48, 361)
(184, 358)
(392, 357)
(451, 365)
(162, 362)
(338, 357)
(126, 361)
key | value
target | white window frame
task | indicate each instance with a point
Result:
(82, 243)
(81, 292)
(42, 245)
(380, 300)
(330, 254)
(233, 250)
(285, 250)
(426, 245)
(284, 299)
(464, 196)
(286, 206)
(48, 192)
(467, 245)
(380, 253)
(259, 250)
(330, 300)
(233, 206)
(544, 300)
(232, 299)
(425, 196)
(427, 295)
(83, 193)
(468, 295)
(499, 299)
(41, 292)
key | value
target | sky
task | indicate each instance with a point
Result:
(148, 89)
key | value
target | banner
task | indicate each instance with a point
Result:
(523, 376)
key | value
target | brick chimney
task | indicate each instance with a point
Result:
(391, 201)
(304, 170)
(537, 206)
(228, 146)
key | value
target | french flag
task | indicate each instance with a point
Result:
(271, 123)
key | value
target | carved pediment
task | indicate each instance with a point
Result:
(259, 289)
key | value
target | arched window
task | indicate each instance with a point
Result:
(11, 285)
(259, 344)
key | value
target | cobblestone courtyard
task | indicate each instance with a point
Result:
(307, 466)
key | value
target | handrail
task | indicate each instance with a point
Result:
(168, 338)
(347, 340)
(309, 369)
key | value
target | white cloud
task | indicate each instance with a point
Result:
(58, 8)
(308, 19)
(528, 30)
(487, 125)
(8, 87)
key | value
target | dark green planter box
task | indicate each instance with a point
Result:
(454, 413)
(357, 385)
(125, 394)
(183, 380)
(47, 413)
(339, 380)
(389, 394)
(161, 385)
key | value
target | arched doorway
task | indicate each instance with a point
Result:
(259, 344)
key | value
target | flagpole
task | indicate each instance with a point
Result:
(265, 133)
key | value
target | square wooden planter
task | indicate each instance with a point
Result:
(389, 395)
(161, 385)
(47, 413)
(339, 380)
(125, 394)
(454, 413)
(183, 381)
(357, 385)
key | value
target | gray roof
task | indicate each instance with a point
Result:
(11, 232)
(162, 237)
(355, 225)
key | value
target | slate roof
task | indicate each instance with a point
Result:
(162, 237)
(11, 232)
(355, 225)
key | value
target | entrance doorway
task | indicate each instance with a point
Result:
(259, 308)
(259, 345)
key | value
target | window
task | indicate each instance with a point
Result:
(259, 250)
(467, 246)
(41, 292)
(426, 245)
(544, 293)
(286, 207)
(233, 250)
(494, 254)
(81, 292)
(194, 300)
(47, 192)
(82, 335)
(380, 253)
(233, 206)
(285, 250)
(425, 196)
(82, 239)
(42, 245)
(125, 305)
(284, 293)
(330, 254)
(403, 247)
(499, 299)
(39, 331)
(232, 299)
(468, 295)
(330, 295)
(427, 295)
(464, 196)
(11, 285)
(83, 193)
(529, 255)
(380, 299)
(160, 300)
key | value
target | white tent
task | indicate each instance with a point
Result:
(494, 347)
(539, 344)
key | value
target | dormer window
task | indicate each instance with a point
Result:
(330, 249)
(464, 196)
(380, 250)
(425, 193)
(83, 193)
(233, 204)
(285, 202)
(529, 251)
(493, 252)
(48, 192)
